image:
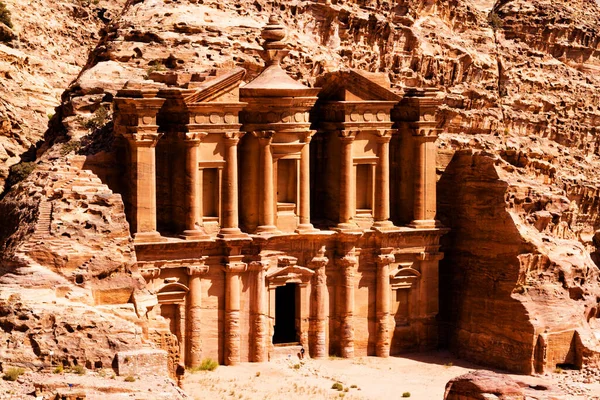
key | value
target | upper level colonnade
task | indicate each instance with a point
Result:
(220, 158)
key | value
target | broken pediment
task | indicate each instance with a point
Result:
(224, 88)
(352, 85)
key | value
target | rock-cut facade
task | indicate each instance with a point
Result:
(270, 217)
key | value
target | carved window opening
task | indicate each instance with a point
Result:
(285, 314)
(210, 194)
(364, 189)
(287, 182)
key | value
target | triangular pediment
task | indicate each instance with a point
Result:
(290, 274)
(352, 85)
(224, 88)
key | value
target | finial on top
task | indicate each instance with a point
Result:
(274, 34)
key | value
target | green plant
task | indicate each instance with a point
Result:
(208, 364)
(495, 21)
(130, 379)
(296, 366)
(558, 370)
(58, 370)
(19, 172)
(5, 15)
(448, 365)
(78, 369)
(12, 374)
(98, 120)
(71, 146)
(337, 386)
(353, 387)
(406, 394)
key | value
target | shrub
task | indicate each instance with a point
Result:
(5, 15)
(58, 370)
(337, 386)
(130, 379)
(78, 369)
(19, 172)
(98, 120)
(12, 374)
(73, 145)
(208, 364)
(495, 21)
(406, 394)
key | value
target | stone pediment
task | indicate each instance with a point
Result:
(352, 85)
(289, 274)
(224, 88)
(404, 277)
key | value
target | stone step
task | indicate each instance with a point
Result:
(287, 351)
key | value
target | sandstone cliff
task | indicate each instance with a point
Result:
(520, 84)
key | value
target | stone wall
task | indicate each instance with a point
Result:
(142, 362)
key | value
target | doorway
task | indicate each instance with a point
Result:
(285, 314)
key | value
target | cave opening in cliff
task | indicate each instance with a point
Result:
(285, 314)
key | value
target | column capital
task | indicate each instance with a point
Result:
(142, 139)
(319, 261)
(233, 137)
(349, 261)
(385, 259)
(266, 135)
(197, 270)
(385, 135)
(259, 266)
(430, 256)
(192, 138)
(307, 136)
(150, 273)
(425, 133)
(236, 267)
(346, 135)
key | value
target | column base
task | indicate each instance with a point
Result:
(147, 237)
(267, 230)
(347, 227)
(306, 228)
(231, 233)
(383, 225)
(425, 224)
(194, 234)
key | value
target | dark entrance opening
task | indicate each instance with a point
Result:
(285, 314)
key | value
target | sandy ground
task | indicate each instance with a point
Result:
(423, 376)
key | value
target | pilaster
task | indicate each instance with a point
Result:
(233, 270)
(195, 273)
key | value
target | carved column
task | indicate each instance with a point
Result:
(232, 309)
(193, 193)
(143, 180)
(347, 181)
(194, 353)
(182, 334)
(260, 329)
(135, 114)
(348, 265)
(318, 318)
(425, 179)
(382, 346)
(267, 198)
(304, 212)
(382, 182)
(229, 203)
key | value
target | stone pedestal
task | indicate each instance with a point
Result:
(382, 346)
(318, 304)
(232, 309)
(194, 353)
